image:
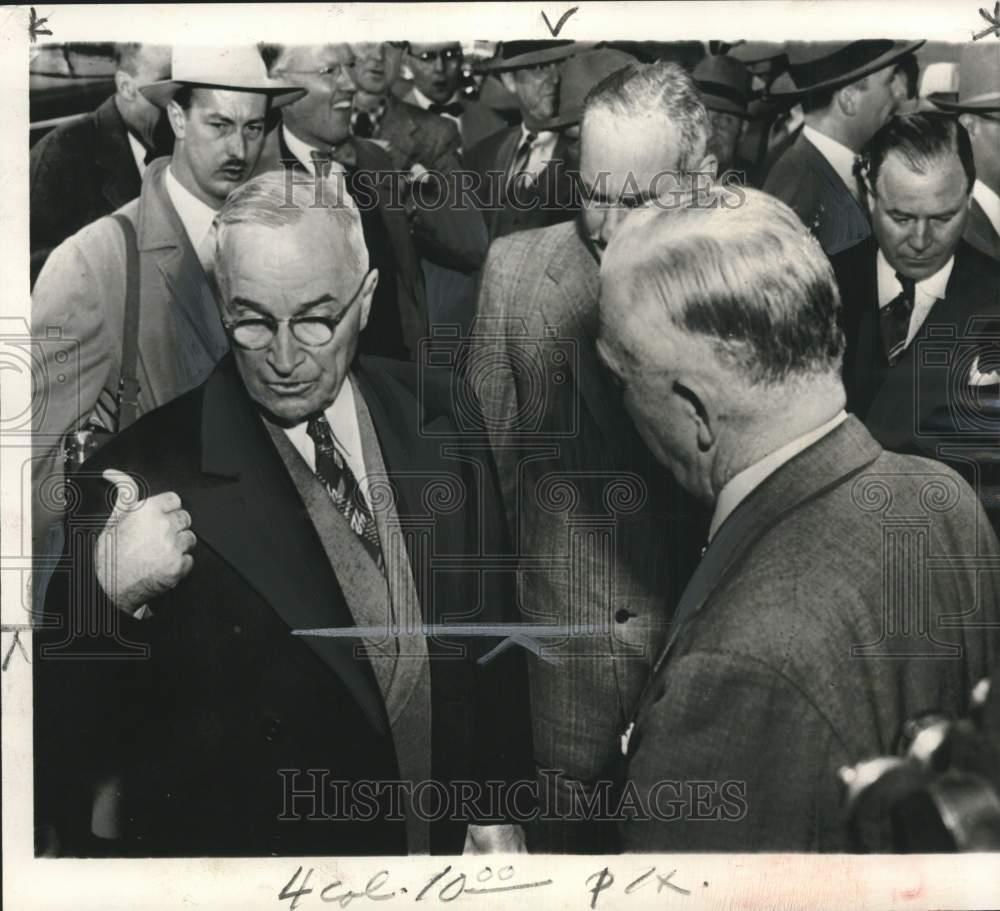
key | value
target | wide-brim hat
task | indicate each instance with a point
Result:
(579, 75)
(235, 69)
(817, 66)
(978, 80)
(513, 55)
(724, 84)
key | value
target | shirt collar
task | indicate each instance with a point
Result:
(989, 201)
(421, 100)
(304, 152)
(934, 286)
(740, 486)
(840, 157)
(138, 152)
(541, 136)
(343, 420)
(194, 214)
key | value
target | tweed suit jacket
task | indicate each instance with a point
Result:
(604, 537)
(795, 654)
(79, 172)
(220, 696)
(77, 312)
(803, 179)
(980, 233)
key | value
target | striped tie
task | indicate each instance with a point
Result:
(894, 319)
(338, 479)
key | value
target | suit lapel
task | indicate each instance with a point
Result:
(250, 513)
(829, 462)
(573, 312)
(113, 155)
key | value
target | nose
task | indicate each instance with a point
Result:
(284, 354)
(920, 235)
(345, 81)
(439, 63)
(613, 217)
(236, 145)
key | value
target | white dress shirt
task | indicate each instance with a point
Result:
(926, 294)
(840, 157)
(138, 152)
(740, 486)
(343, 420)
(304, 152)
(195, 215)
(989, 201)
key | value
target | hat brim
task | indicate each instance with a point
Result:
(162, 92)
(986, 105)
(532, 58)
(873, 66)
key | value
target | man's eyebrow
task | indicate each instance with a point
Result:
(301, 308)
(948, 213)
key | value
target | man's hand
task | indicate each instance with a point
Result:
(505, 839)
(143, 550)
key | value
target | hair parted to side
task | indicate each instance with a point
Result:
(741, 270)
(272, 200)
(922, 140)
(646, 89)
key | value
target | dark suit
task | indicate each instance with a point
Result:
(793, 653)
(550, 200)
(903, 406)
(476, 122)
(196, 733)
(979, 232)
(803, 179)
(78, 173)
(418, 136)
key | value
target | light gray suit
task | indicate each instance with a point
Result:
(603, 536)
(77, 307)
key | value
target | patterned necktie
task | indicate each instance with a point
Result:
(518, 174)
(894, 319)
(452, 107)
(338, 479)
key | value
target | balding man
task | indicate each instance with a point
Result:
(90, 167)
(799, 645)
(605, 540)
(298, 489)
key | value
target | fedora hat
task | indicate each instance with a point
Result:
(817, 66)
(724, 84)
(978, 80)
(236, 69)
(513, 55)
(579, 75)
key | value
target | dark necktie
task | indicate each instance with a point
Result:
(363, 125)
(894, 319)
(452, 107)
(338, 479)
(344, 154)
(518, 175)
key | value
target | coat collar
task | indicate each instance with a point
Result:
(572, 309)
(113, 155)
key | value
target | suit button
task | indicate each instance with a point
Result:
(272, 730)
(622, 615)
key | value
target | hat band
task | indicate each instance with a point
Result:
(721, 90)
(840, 63)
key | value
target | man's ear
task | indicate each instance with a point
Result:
(367, 293)
(125, 85)
(177, 118)
(695, 405)
(847, 99)
(509, 82)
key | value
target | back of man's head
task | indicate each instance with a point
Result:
(640, 91)
(737, 269)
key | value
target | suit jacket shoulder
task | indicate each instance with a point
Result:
(980, 233)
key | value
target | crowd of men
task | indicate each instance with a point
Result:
(609, 437)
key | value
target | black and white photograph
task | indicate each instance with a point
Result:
(519, 454)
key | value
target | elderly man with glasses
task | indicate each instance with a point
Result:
(298, 490)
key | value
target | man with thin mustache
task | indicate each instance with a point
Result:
(217, 102)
